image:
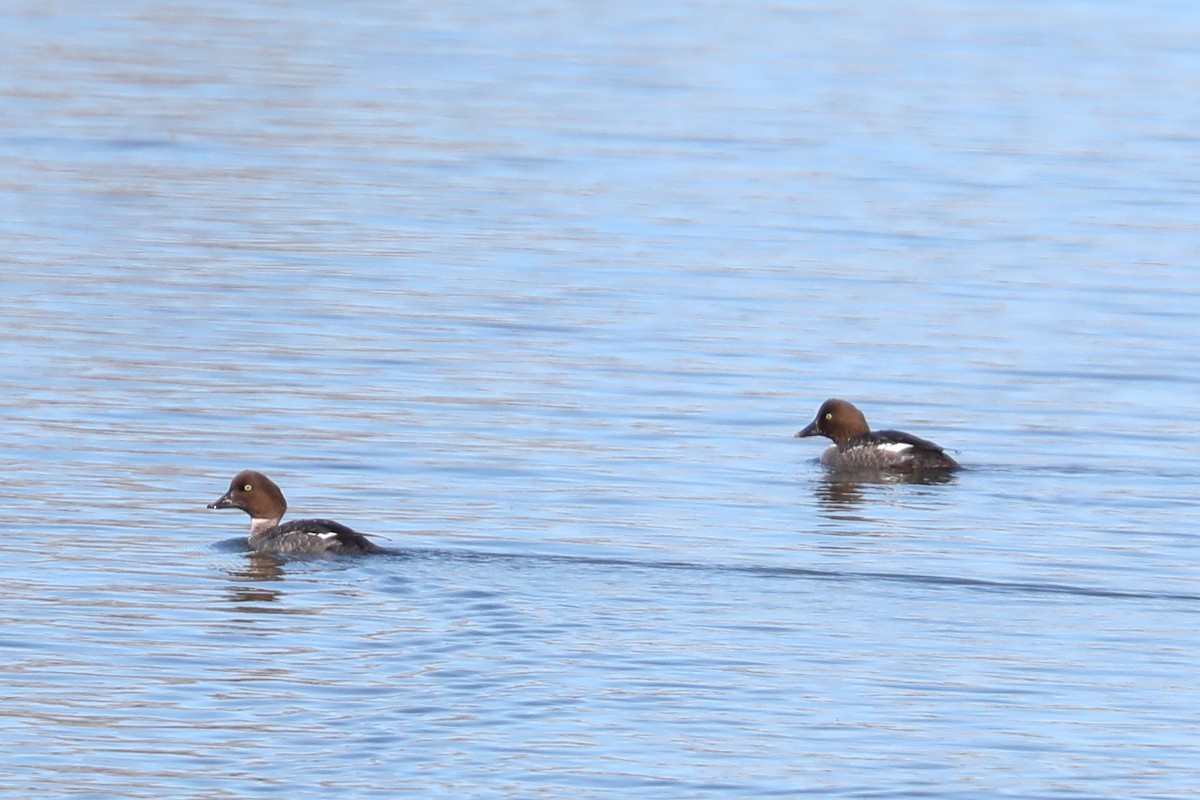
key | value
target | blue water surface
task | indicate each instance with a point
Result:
(537, 296)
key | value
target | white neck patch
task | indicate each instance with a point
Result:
(259, 525)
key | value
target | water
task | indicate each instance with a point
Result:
(538, 297)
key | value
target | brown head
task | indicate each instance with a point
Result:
(838, 420)
(254, 493)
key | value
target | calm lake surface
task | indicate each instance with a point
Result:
(537, 297)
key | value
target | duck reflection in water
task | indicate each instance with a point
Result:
(246, 579)
(841, 492)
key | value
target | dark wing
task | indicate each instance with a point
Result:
(322, 536)
(927, 454)
(900, 437)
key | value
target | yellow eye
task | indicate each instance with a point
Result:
(247, 488)
(829, 415)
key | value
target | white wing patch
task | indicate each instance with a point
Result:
(896, 447)
(327, 535)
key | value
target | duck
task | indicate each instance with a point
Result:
(261, 498)
(857, 448)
